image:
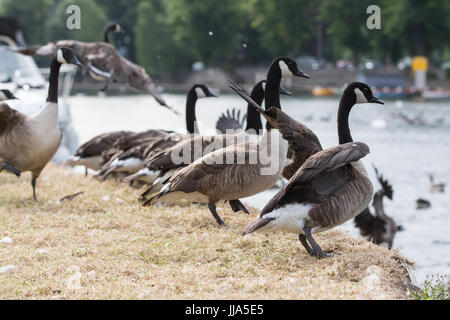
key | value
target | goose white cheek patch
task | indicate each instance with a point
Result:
(200, 93)
(285, 72)
(60, 57)
(360, 97)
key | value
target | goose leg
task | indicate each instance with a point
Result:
(85, 171)
(236, 206)
(212, 208)
(302, 239)
(33, 184)
(316, 250)
(10, 168)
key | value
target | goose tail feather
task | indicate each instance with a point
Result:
(255, 225)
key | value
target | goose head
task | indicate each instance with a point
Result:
(202, 91)
(288, 68)
(361, 93)
(66, 55)
(116, 27)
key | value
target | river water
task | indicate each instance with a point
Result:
(405, 154)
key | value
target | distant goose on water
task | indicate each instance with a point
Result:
(435, 186)
(27, 143)
(208, 181)
(330, 188)
(379, 228)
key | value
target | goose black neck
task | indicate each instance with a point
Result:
(107, 35)
(253, 116)
(53, 81)
(345, 106)
(191, 120)
(272, 93)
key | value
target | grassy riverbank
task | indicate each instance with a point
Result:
(104, 245)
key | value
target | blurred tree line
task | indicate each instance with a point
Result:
(168, 36)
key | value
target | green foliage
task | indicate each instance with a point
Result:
(419, 26)
(30, 15)
(156, 50)
(435, 288)
(207, 30)
(168, 35)
(286, 26)
(93, 22)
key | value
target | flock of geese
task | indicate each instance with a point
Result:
(325, 187)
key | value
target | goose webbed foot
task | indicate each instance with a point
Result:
(10, 168)
(315, 250)
(236, 206)
(212, 208)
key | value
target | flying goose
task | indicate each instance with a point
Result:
(105, 63)
(330, 187)
(211, 179)
(379, 228)
(27, 143)
(436, 187)
(114, 27)
(162, 163)
(131, 159)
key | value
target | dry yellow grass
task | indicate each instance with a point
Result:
(104, 245)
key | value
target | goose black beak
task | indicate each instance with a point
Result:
(375, 100)
(77, 61)
(285, 92)
(300, 73)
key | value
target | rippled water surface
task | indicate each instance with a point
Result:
(404, 153)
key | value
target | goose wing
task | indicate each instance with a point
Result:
(100, 143)
(212, 174)
(50, 48)
(9, 118)
(321, 175)
(139, 79)
(230, 120)
(303, 142)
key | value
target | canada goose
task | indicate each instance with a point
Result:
(5, 94)
(436, 187)
(422, 204)
(114, 27)
(127, 160)
(162, 163)
(330, 187)
(94, 153)
(89, 154)
(205, 180)
(27, 143)
(379, 228)
(105, 63)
